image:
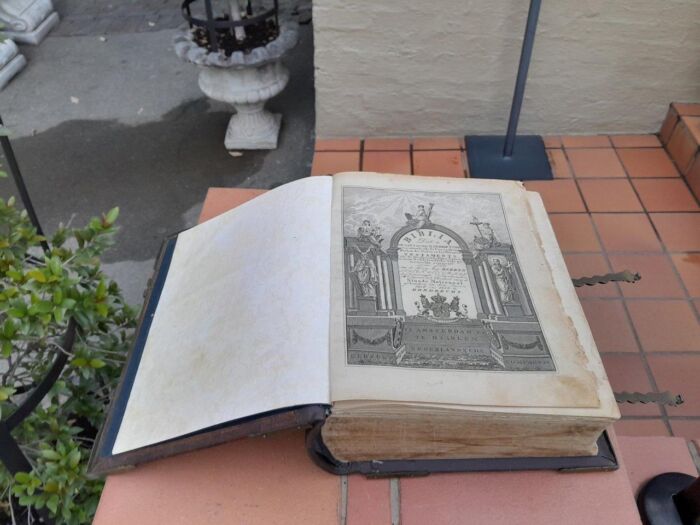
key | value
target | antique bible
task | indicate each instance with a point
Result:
(411, 324)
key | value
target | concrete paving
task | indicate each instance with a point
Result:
(121, 122)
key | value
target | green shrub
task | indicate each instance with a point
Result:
(39, 293)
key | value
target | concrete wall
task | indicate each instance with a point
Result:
(418, 67)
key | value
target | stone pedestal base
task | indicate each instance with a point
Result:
(11, 62)
(258, 130)
(247, 89)
(37, 35)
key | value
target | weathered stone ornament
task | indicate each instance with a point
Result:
(246, 81)
(11, 62)
(27, 21)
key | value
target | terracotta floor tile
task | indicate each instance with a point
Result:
(437, 143)
(588, 265)
(438, 163)
(628, 232)
(575, 232)
(692, 109)
(369, 501)
(595, 163)
(693, 177)
(647, 162)
(665, 195)
(328, 163)
(552, 141)
(558, 195)
(611, 329)
(635, 141)
(668, 125)
(679, 375)
(257, 480)
(687, 428)
(682, 146)
(585, 141)
(627, 373)
(680, 232)
(693, 124)
(387, 144)
(641, 427)
(518, 498)
(658, 276)
(665, 325)
(688, 266)
(350, 144)
(387, 161)
(220, 200)
(559, 164)
(609, 195)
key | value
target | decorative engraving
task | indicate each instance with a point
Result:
(365, 272)
(426, 298)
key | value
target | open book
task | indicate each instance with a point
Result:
(405, 318)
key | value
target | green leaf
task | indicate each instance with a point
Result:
(51, 487)
(37, 275)
(52, 503)
(79, 361)
(74, 458)
(111, 216)
(6, 392)
(51, 455)
(22, 477)
(97, 363)
(55, 266)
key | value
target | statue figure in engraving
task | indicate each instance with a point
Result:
(421, 218)
(487, 237)
(369, 233)
(365, 271)
(438, 306)
(504, 280)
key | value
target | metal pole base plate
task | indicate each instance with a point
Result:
(486, 160)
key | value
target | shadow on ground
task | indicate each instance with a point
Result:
(157, 173)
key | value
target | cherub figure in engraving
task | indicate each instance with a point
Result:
(365, 271)
(421, 218)
(367, 232)
(504, 280)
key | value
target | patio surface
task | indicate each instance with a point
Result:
(616, 203)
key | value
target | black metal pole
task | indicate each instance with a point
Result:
(13, 167)
(519, 92)
(213, 40)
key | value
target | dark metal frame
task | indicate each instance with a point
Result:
(508, 158)
(11, 454)
(211, 25)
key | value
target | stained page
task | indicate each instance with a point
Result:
(443, 294)
(242, 323)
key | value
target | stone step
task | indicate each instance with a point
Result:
(680, 135)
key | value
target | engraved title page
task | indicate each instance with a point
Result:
(445, 296)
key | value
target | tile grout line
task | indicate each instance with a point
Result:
(343, 510)
(395, 488)
(642, 350)
(362, 153)
(664, 248)
(647, 368)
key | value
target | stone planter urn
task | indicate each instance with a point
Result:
(11, 62)
(246, 79)
(27, 21)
